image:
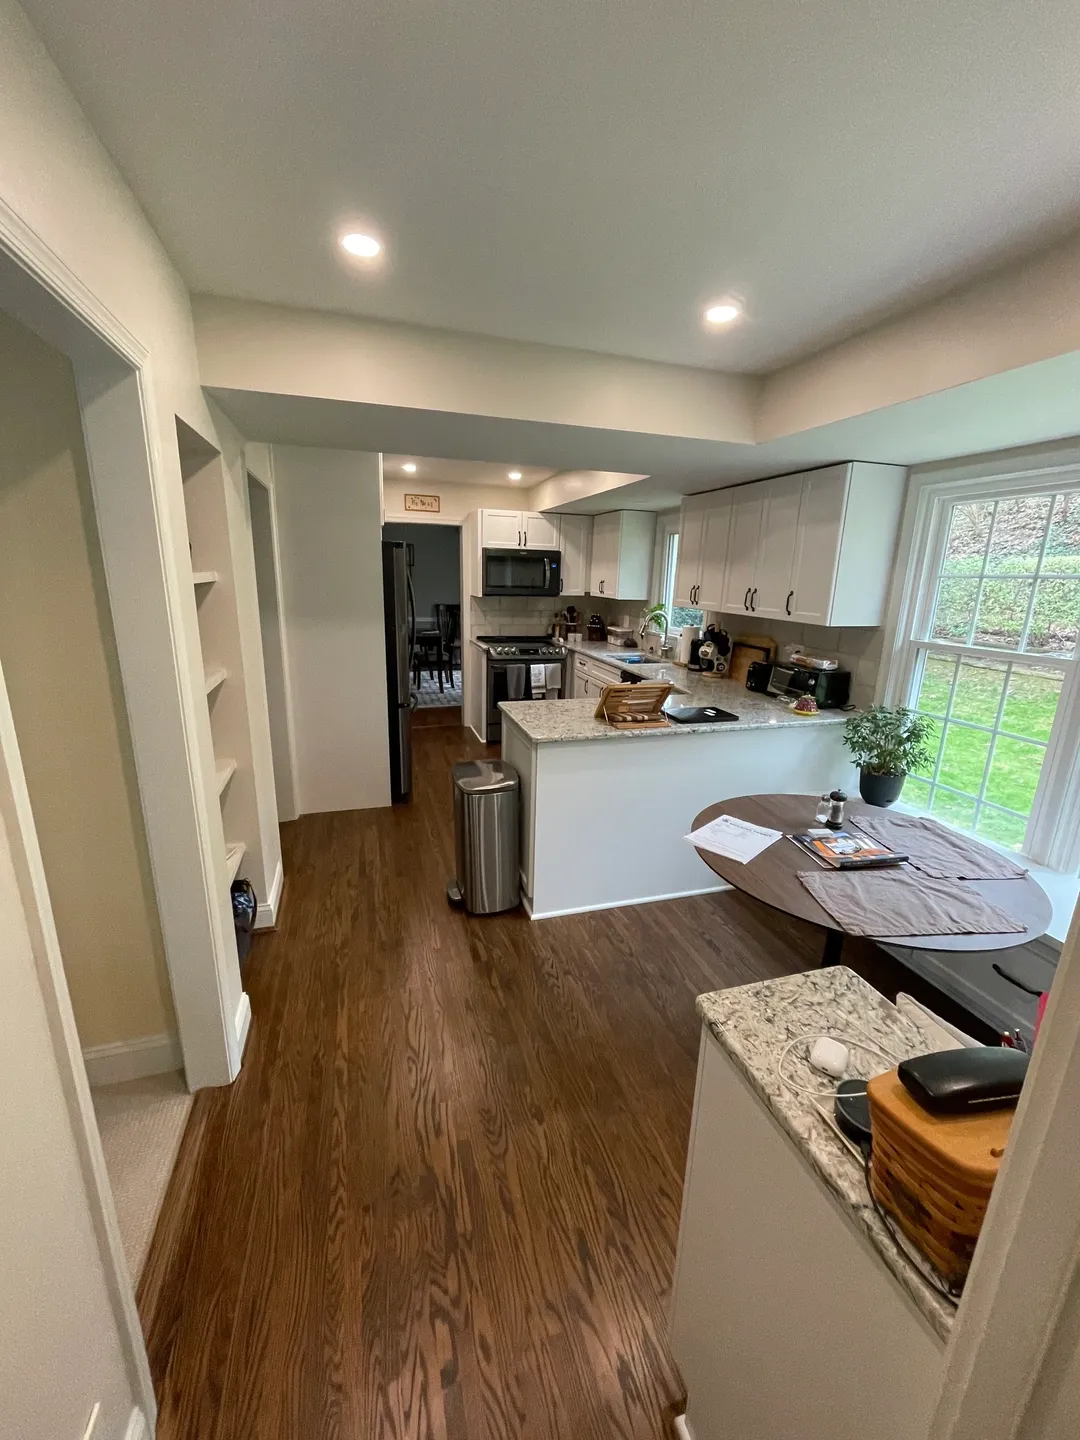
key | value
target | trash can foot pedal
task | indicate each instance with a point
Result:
(453, 893)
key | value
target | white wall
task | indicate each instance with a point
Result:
(330, 534)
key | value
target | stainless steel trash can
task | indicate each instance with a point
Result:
(486, 836)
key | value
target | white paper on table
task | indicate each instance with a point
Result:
(734, 839)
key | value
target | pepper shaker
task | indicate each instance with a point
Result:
(836, 810)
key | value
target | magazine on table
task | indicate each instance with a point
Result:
(846, 849)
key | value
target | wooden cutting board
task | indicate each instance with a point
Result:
(745, 651)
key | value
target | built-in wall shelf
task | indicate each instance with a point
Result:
(204, 577)
(234, 853)
(214, 678)
(224, 770)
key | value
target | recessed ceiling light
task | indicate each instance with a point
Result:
(366, 247)
(722, 313)
(409, 468)
(514, 475)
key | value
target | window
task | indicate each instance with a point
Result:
(678, 615)
(991, 656)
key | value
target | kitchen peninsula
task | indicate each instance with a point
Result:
(604, 812)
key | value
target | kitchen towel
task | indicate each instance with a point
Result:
(538, 678)
(516, 675)
(554, 679)
(887, 903)
(936, 851)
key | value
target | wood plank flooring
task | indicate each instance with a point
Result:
(441, 1201)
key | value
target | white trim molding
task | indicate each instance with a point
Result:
(132, 1059)
(242, 1024)
(266, 915)
(136, 1427)
(1053, 836)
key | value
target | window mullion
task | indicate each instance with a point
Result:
(1035, 579)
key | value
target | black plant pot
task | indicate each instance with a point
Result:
(882, 790)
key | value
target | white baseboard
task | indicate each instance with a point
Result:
(136, 1426)
(132, 1059)
(682, 1429)
(623, 904)
(266, 915)
(242, 1023)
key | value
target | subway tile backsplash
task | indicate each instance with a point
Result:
(856, 649)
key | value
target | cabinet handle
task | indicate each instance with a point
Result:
(753, 597)
(746, 599)
(520, 546)
(787, 602)
(697, 592)
(560, 584)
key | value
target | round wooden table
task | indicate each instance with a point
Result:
(773, 878)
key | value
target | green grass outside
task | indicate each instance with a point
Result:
(1016, 759)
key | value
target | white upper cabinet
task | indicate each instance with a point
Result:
(747, 509)
(539, 532)
(622, 549)
(691, 548)
(501, 530)
(815, 547)
(518, 530)
(771, 592)
(575, 532)
(703, 550)
(716, 540)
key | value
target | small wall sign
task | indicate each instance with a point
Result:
(429, 504)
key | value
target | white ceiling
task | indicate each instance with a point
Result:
(460, 472)
(590, 174)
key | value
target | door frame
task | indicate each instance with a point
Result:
(141, 529)
(260, 472)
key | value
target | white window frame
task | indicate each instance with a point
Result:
(1053, 833)
(668, 525)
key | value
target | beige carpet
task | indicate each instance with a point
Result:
(141, 1124)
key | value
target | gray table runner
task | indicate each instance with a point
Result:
(936, 851)
(892, 903)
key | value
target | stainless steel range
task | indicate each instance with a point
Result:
(513, 672)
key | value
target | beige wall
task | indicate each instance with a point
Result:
(59, 661)
(456, 501)
(330, 539)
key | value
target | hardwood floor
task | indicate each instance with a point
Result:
(442, 1198)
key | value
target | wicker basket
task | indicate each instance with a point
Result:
(934, 1173)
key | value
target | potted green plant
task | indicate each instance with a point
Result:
(887, 744)
(654, 621)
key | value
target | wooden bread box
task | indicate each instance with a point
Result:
(934, 1173)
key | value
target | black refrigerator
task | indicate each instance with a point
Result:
(400, 616)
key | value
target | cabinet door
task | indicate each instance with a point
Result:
(575, 532)
(692, 521)
(501, 530)
(540, 532)
(817, 552)
(776, 548)
(714, 551)
(604, 566)
(634, 555)
(747, 507)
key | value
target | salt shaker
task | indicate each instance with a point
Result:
(821, 815)
(836, 810)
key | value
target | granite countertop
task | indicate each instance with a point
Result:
(547, 720)
(753, 1023)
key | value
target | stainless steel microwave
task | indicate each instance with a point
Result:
(522, 572)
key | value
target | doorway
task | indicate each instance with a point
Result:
(272, 630)
(433, 554)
